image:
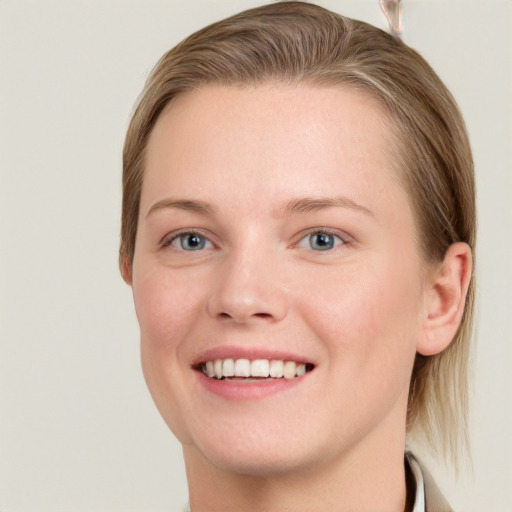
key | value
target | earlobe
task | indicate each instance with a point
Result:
(445, 299)
(126, 270)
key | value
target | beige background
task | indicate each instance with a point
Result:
(77, 429)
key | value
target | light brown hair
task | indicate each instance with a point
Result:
(295, 42)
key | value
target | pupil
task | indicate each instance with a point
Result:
(323, 241)
(193, 242)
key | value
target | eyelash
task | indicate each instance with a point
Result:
(343, 239)
(169, 239)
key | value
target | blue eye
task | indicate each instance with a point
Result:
(320, 241)
(190, 242)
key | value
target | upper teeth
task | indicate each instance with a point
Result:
(265, 368)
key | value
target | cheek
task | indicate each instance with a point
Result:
(166, 312)
(165, 307)
(369, 311)
(367, 317)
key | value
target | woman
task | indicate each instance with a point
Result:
(298, 230)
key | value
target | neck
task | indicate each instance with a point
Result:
(357, 481)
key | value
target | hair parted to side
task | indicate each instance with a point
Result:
(300, 43)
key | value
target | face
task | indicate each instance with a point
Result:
(274, 239)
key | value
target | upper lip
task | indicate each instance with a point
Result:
(236, 352)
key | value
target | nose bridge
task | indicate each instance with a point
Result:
(248, 285)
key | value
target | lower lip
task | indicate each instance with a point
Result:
(240, 390)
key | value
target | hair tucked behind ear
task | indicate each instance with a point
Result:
(294, 42)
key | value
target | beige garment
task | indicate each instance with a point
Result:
(434, 500)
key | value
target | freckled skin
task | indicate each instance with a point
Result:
(355, 310)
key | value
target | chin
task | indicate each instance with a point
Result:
(255, 462)
(256, 452)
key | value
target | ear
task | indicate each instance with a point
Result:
(446, 292)
(126, 269)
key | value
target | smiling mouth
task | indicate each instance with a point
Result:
(258, 369)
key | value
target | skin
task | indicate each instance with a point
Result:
(240, 167)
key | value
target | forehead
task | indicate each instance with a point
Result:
(346, 109)
(275, 139)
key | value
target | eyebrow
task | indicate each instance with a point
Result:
(308, 204)
(299, 205)
(201, 207)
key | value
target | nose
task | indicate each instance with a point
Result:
(248, 289)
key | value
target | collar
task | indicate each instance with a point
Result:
(428, 495)
(419, 500)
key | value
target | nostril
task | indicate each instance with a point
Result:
(262, 315)
(254, 315)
